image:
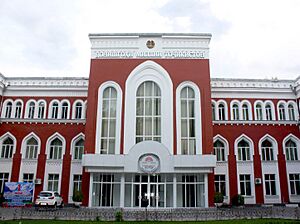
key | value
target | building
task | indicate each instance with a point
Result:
(149, 126)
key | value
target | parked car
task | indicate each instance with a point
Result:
(49, 199)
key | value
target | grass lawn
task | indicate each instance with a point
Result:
(248, 221)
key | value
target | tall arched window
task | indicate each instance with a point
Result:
(219, 150)
(54, 114)
(291, 111)
(108, 130)
(259, 112)
(281, 112)
(291, 152)
(55, 151)
(267, 150)
(235, 111)
(148, 112)
(18, 110)
(269, 116)
(213, 111)
(41, 110)
(243, 151)
(31, 110)
(7, 148)
(64, 110)
(8, 110)
(245, 112)
(31, 149)
(78, 110)
(188, 137)
(221, 111)
(78, 149)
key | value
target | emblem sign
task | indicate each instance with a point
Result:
(150, 44)
(149, 163)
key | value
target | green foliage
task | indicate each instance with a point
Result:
(77, 196)
(119, 216)
(218, 197)
(238, 200)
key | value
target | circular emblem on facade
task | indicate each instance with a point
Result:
(150, 44)
(149, 163)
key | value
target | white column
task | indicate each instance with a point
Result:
(91, 190)
(122, 190)
(206, 190)
(174, 191)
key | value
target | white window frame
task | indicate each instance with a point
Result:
(74, 109)
(38, 109)
(77, 138)
(219, 102)
(24, 144)
(50, 139)
(149, 71)
(15, 109)
(261, 104)
(3, 137)
(198, 121)
(118, 115)
(296, 140)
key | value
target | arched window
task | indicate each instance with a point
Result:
(8, 110)
(267, 150)
(259, 112)
(64, 110)
(108, 130)
(245, 112)
(291, 152)
(78, 110)
(243, 151)
(219, 150)
(269, 116)
(31, 110)
(281, 112)
(41, 110)
(213, 111)
(291, 111)
(235, 111)
(7, 148)
(221, 112)
(54, 114)
(188, 137)
(31, 149)
(55, 149)
(18, 110)
(78, 149)
(148, 112)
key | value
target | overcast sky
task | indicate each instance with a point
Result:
(250, 38)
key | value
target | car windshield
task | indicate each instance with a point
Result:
(45, 194)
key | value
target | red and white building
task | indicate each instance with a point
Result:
(150, 125)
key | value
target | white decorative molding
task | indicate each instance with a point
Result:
(152, 45)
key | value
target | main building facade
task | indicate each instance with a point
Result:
(150, 127)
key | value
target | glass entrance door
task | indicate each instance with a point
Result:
(149, 191)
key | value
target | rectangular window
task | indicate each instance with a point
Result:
(53, 180)
(3, 180)
(220, 184)
(220, 153)
(295, 183)
(267, 153)
(243, 153)
(245, 184)
(270, 184)
(77, 180)
(28, 177)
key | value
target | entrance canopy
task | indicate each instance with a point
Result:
(148, 157)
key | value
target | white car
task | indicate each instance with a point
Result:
(49, 198)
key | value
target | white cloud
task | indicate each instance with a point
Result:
(50, 38)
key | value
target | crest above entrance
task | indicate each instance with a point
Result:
(151, 45)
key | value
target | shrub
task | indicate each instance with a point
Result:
(77, 196)
(218, 197)
(119, 216)
(238, 200)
